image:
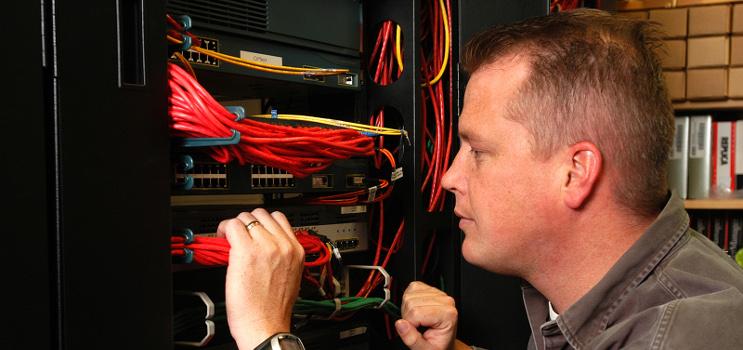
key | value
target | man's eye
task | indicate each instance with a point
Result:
(475, 153)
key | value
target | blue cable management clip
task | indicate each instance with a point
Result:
(185, 21)
(186, 43)
(213, 141)
(238, 111)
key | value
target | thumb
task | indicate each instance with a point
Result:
(410, 336)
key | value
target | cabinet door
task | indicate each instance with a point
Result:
(110, 129)
(26, 219)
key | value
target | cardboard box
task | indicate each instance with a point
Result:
(735, 83)
(684, 3)
(737, 26)
(709, 20)
(628, 5)
(642, 15)
(736, 50)
(712, 51)
(707, 84)
(673, 22)
(675, 84)
(673, 54)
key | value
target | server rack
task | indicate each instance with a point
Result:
(97, 205)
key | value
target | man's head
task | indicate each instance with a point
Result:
(581, 84)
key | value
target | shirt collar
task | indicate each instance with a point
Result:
(591, 313)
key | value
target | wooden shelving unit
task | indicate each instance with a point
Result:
(708, 105)
(714, 204)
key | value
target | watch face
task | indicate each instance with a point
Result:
(290, 344)
(286, 341)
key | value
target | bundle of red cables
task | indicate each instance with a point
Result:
(215, 251)
(437, 107)
(383, 66)
(194, 113)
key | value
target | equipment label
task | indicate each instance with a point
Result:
(353, 209)
(262, 58)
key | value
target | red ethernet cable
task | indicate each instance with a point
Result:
(301, 151)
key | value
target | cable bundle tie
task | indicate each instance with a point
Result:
(381, 270)
(372, 193)
(338, 308)
(396, 174)
(405, 136)
(213, 141)
(238, 111)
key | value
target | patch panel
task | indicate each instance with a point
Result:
(203, 176)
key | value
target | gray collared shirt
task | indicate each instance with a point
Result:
(673, 289)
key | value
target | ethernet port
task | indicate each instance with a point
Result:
(348, 79)
(312, 77)
(355, 181)
(322, 181)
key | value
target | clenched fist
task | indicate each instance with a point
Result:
(426, 306)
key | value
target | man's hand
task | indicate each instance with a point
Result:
(263, 275)
(426, 306)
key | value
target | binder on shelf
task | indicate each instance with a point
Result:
(738, 154)
(700, 156)
(679, 159)
(723, 156)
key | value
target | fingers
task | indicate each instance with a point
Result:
(235, 232)
(284, 223)
(425, 306)
(410, 335)
(269, 225)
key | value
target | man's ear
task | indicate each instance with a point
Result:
(583, 166)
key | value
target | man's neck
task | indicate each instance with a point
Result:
(583, 252)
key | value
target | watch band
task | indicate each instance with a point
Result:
(281, 341)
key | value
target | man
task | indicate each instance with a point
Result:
(560, 180)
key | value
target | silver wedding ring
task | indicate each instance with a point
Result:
(252, 224)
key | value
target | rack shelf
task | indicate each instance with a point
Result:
(706, 105)
(718, 204)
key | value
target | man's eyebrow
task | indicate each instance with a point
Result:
(466, 135)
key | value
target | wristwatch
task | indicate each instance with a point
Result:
(281, 341)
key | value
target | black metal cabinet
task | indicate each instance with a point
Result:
(110, 165)
(26, 217)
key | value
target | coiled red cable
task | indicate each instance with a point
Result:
(215, 251)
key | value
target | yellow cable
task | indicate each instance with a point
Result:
(264, 67)
(446, 44)
(398, 50)
(340, 123)
(185, 63)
